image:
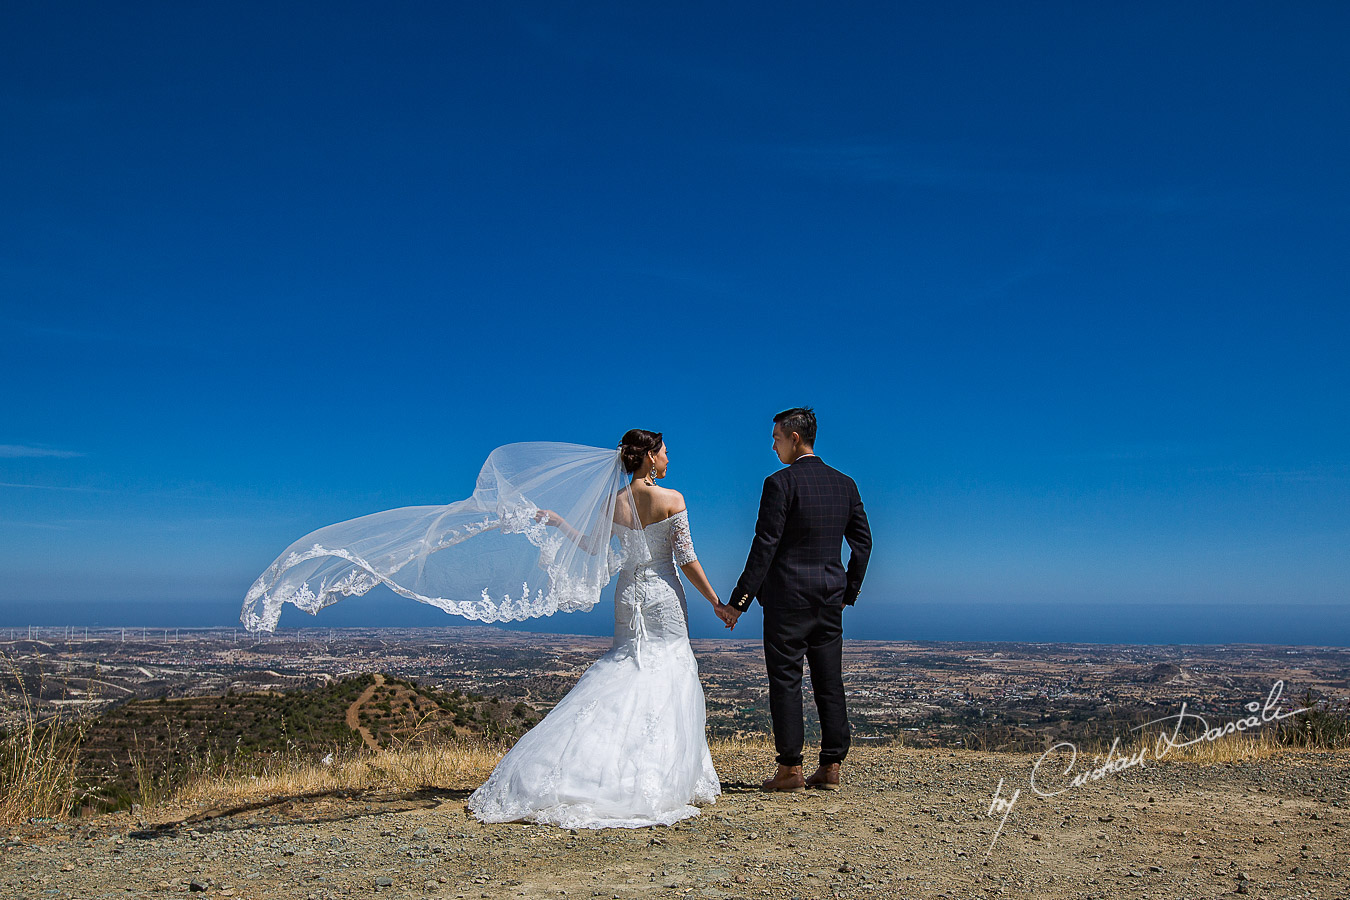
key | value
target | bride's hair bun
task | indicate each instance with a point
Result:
(636, 444)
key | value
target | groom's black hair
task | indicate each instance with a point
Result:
(801, 419)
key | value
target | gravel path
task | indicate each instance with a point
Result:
(908, 823)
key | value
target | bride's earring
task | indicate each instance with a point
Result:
(651, 475)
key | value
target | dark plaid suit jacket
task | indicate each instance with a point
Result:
(806, 512)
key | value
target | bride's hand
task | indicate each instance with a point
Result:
(725, 613)
(546, 516)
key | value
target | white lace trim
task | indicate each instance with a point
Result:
(564, 593)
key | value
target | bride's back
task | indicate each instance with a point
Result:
(653, 505)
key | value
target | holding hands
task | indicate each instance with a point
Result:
(726, 613)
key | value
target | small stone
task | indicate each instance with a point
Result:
(384, 881)
(846, 868)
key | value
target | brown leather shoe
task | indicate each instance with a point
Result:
(826, 777)
(787, 778)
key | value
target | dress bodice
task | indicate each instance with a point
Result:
(649, 601)
(669, 542)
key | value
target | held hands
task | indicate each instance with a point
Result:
(726, 613)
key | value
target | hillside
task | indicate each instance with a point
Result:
(144, 746)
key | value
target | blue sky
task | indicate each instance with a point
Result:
(1066, 285)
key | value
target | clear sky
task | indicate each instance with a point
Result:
(1066, 285)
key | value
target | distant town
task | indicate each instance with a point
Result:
(992, 695)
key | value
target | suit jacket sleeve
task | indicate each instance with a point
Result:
(768, 531)
(859, 537)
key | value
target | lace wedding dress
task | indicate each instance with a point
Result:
(626, 747)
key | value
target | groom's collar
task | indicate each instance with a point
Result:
(808, 456)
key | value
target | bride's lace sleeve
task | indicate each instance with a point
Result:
(681, 540)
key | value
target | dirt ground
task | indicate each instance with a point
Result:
(908, 823)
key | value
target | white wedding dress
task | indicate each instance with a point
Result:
(626, 747)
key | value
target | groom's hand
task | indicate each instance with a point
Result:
(726, 614)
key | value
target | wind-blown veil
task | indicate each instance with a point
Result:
(496, 556)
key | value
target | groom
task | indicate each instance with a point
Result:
(806, 512)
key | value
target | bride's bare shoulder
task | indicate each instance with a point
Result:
(672, 502)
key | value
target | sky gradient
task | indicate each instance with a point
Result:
(1066, 286)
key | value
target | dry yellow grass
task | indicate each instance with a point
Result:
(37, 764)
(1227, 749)
(466, 763)
(402, 769)
(457, 764)
(37, 774)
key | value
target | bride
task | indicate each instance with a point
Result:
(626, 747)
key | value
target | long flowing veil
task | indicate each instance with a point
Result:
(496, 556)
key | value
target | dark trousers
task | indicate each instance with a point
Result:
(815, 634)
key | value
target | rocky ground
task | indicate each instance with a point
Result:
(908, 823)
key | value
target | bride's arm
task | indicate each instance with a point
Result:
(683, 544)
(694, 572)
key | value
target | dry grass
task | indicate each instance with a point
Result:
(37, 763)
(407, 768)
(1231, 748)
(466, 763)
(1319, 726)
(459, 763)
